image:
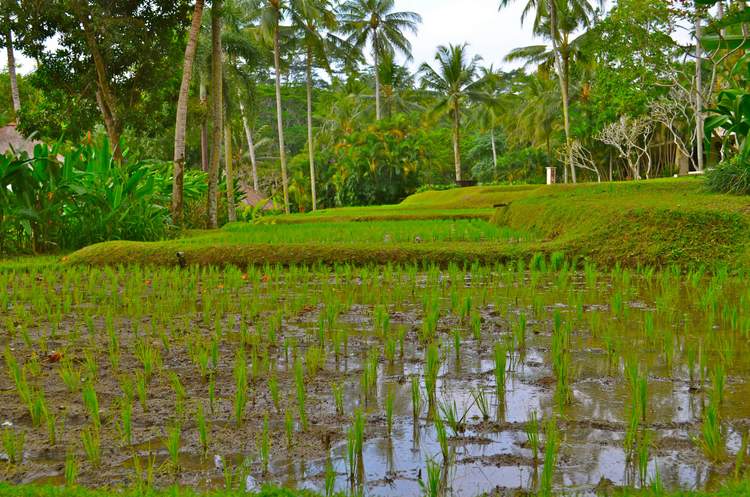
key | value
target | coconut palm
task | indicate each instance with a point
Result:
(553, 18)
(272, 14)
(181, 119)
(375, 23)
(455, 81)
(217, 108)
(495, 85)
(314, 18)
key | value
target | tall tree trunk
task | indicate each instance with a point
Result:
(217, 106)
(376, 55)
(561, 72)
(457, 143)
(204, 125)
(279, 114)
(566, 113)
(699, 133)
(104, 96)
(494, 148)
(12, 75)
(310, 144)
(250, 143)
(231, 208)
(181, 119)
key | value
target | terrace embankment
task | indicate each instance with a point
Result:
(656, 223)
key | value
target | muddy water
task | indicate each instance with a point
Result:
(490, 456)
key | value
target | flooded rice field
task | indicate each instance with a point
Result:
(382, 381)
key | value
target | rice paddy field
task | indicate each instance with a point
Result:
(537, 376)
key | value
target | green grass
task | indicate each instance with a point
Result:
(657, 223)
(653, 223)
(438, 230)
(738, 489)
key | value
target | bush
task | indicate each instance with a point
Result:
(62, 201)
(730, 176)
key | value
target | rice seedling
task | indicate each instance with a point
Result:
(13, 444)
(90, 365)
(416, 397)
(37, 406)
(338, 398)
(299, 380)
(149, 357)
(70, 375)
(240, 386)
(644, 445)
(501, 361)
(432, 487)
(51, 420)
(173, 446)
(92, 444)
(356, 438)
(180, 393)
(330, 478)
(519, 332)
(432, 368)
(313, 360)
(476, 326)
(442, 438)
(532, 434)
(550, 457)
(142, 485)
(450, 414)
(482, 403)
(457, 344)
(141, 388)
(389, 400)
(71, 470)
(712, 436)
(113, 349)
(91, 403)
(718, 381)
(264, 447)
(200, 420)
(289, 428)
(212, 392)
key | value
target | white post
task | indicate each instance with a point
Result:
(551, 175)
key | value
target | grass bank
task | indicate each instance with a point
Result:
(738, 489)
(654, 223)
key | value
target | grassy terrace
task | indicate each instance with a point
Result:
(658, 222)
(740, 489)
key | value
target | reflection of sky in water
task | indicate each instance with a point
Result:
(588, 457)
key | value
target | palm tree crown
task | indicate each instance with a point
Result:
(375, 22)
(455, 80)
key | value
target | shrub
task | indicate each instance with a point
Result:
(730, 176)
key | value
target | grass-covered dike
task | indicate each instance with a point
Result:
(739, 489)
(656, 223)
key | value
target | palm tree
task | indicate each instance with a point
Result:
(273, 12)
(553, 18)
(536, 107)
(375, 22)
(217, 109)
(181, 120)
(488, 114)
(455, 80)
(312, 17)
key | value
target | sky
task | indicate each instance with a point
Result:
(490, 33)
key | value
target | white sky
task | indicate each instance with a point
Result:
(490, 33)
